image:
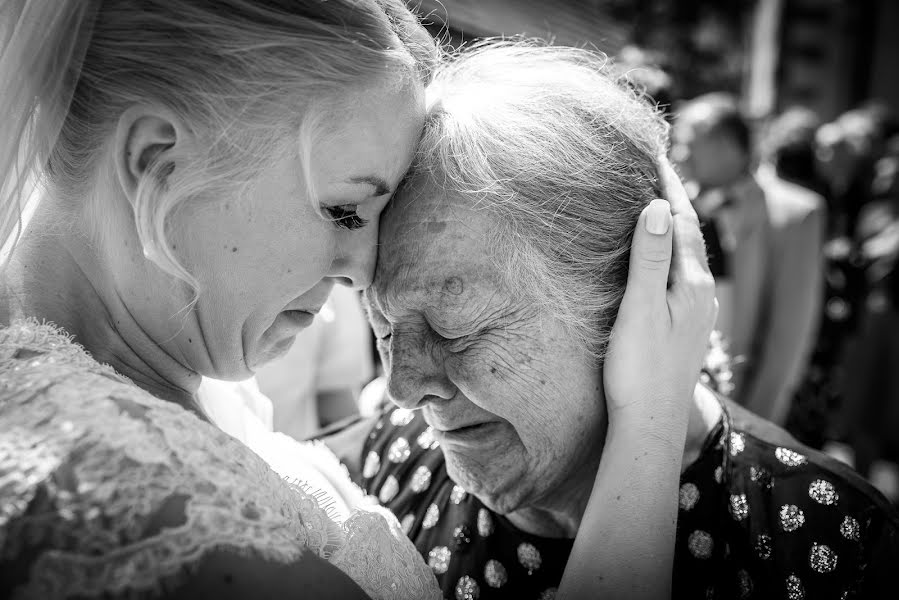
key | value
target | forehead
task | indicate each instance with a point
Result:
(435, 248)
(373, 132)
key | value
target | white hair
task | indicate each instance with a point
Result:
(562, 157)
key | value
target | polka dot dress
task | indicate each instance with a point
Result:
(759, 517)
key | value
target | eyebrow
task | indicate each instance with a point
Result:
(381, 187)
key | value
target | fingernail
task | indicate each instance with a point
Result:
(658, 217)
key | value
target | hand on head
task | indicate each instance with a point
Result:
(658, 341)
(663, 325)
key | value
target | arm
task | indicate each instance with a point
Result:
(625, 544)
(795, 308)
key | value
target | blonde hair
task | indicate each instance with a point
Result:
(249, 77)
(561, 155)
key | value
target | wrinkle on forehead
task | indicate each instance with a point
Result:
(430, 245)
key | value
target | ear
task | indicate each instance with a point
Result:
(144, 137)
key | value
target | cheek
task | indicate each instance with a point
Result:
(495, 384)
(546, 390)
(506, 377)
(249, 253)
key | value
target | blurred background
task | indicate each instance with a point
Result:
(784, 128)
(828, 55)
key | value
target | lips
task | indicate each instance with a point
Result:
(457, 428)
(299, 318)
(476, 434)
(312, 310)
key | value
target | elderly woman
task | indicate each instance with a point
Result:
(503, 264)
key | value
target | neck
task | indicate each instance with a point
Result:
(60, 277)
(561, 516)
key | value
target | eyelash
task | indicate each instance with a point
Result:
(346, 217)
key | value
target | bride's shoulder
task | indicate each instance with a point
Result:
(103, 486)
(106, 490)
(51, 389)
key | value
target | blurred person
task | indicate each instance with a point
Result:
(846, 151)
(792, 303)
(318, 381)
(853, 157)
(871, 382)
(711, 142)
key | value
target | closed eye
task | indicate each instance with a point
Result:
(382, 343)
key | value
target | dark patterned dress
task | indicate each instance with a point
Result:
(760, 517)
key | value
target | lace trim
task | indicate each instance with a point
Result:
(106, 489)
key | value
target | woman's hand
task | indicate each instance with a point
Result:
(662, 330)
(625, 543)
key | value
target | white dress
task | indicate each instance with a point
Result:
(88, 460)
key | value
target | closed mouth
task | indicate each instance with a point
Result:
(464, 428)
(466, 433)
(298, 317)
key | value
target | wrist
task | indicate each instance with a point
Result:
(655, 420)
(652, 411)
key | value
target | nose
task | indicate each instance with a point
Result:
(416, 374)
(355, 257)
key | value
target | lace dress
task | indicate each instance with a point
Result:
(89, 462)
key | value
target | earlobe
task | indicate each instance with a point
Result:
(143, 137)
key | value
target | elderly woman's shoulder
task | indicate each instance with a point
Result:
(774, 450)
(805, 512)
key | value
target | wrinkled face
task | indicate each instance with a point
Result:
(267, 261)
(515, 403)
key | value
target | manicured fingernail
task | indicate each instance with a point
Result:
(658, 217)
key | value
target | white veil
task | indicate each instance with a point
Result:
(43, 46)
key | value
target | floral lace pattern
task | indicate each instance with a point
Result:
(105, 489)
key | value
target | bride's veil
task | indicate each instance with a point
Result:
(43, 46)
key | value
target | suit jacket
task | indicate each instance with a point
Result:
(793, 292)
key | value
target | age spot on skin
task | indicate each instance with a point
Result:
(453, 285)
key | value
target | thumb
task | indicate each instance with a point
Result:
(651, 254)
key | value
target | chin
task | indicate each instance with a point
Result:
(499, 491)
(269, 353)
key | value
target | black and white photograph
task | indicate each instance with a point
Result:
(449, 299)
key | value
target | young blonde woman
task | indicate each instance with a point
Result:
(197, 176)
